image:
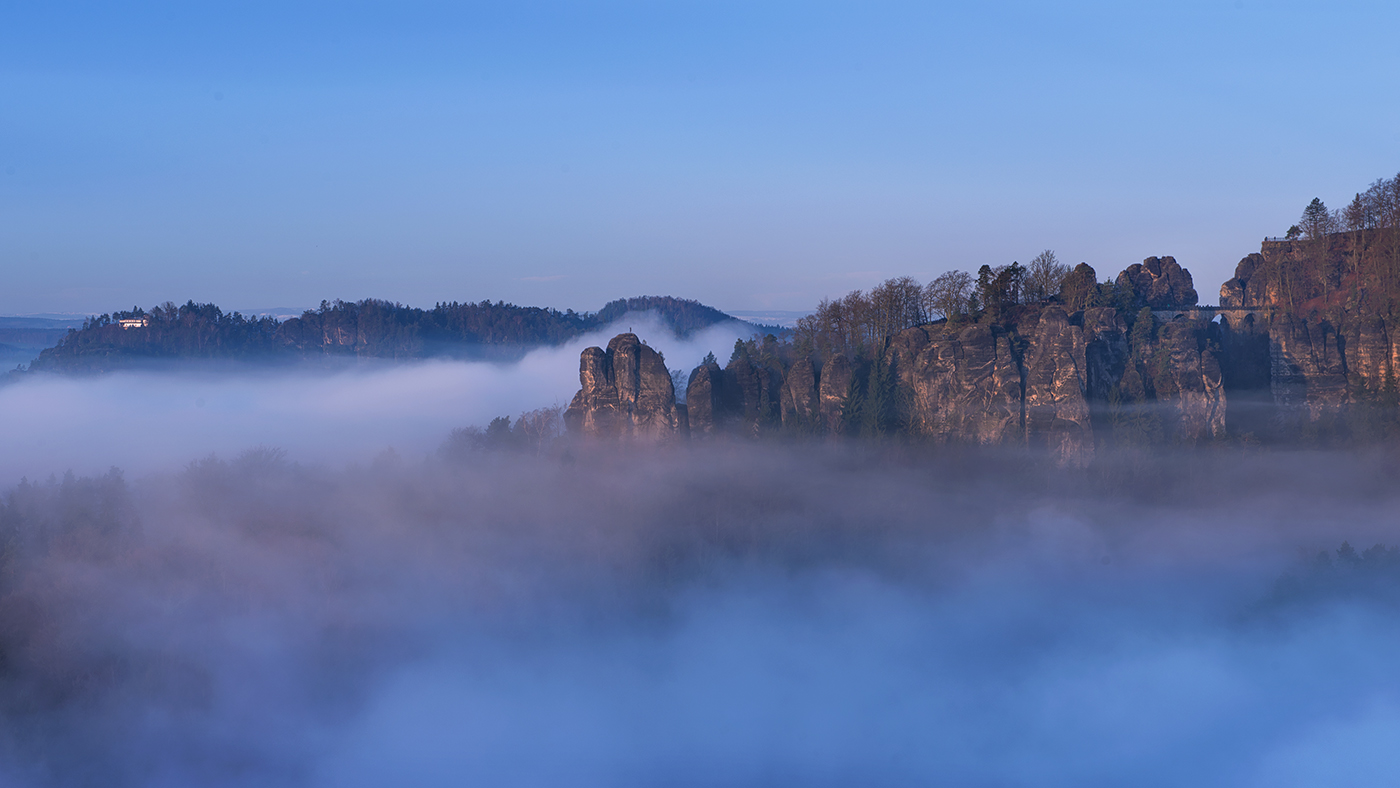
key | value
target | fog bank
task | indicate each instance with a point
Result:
(151, 420)
(736, 614)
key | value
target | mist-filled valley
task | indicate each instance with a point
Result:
(161, 416)
(699, 395)
(309, 606)
(1092, 535)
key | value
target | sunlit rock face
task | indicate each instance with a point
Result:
(626, 393)
(971, 385)
(1332, 342)
(1371, 352)
(1256, 282)
(835, 382)
(801, 403)
(962, 385)
(1057, 411)
(1048, 378)
(980, 384)
(1160, 283)
(1244, 289)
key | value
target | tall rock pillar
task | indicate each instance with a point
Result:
(626, 392)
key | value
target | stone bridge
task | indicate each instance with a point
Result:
(1237, 318)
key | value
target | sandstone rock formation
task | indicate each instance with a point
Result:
(1057, 411)
(835, 382)
(1317, 367)
(1078, 288)
(801, 404)
(743, 398)
(1059, 379)
(1307, 370)
(1192, 385)
(962, 386)
(1160, 283)
(1238, 291)
(1371, 353)
(704, 399)
(758, 386)
(1105, 351)
(626, 393)
(978, 383)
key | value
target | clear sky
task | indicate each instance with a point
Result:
(752, 155)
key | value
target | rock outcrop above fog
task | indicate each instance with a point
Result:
(1326, 307)
(1148, 369)
(1040, 386)
(962, 384)
(1056, 402)
(1192, 385)
(626, 392)
(708, 403)
(1160, 283)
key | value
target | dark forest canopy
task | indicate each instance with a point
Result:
(362, 329)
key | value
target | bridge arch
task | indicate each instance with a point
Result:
(1235, 318)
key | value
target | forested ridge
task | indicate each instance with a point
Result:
(370, 328)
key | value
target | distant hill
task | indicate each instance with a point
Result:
(775, 318)
(683, 315)
(362, 329)
(23, 338)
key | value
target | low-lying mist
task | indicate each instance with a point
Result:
(148, 420)
(264, 595)
(717, 614)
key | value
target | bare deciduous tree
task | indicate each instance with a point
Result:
(949, 295)
(894, 305)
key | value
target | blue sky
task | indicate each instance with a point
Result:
(754, 155)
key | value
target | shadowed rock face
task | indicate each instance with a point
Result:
(1192, 385)
(743, 398)
(1105, 352)
(703, 399)
(758, 389)
(1307, 370)
(626, 393)
(1160, 283)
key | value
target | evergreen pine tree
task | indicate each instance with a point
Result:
(1141, 334)
(740, 351)
(878, 411)
(853, 405)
